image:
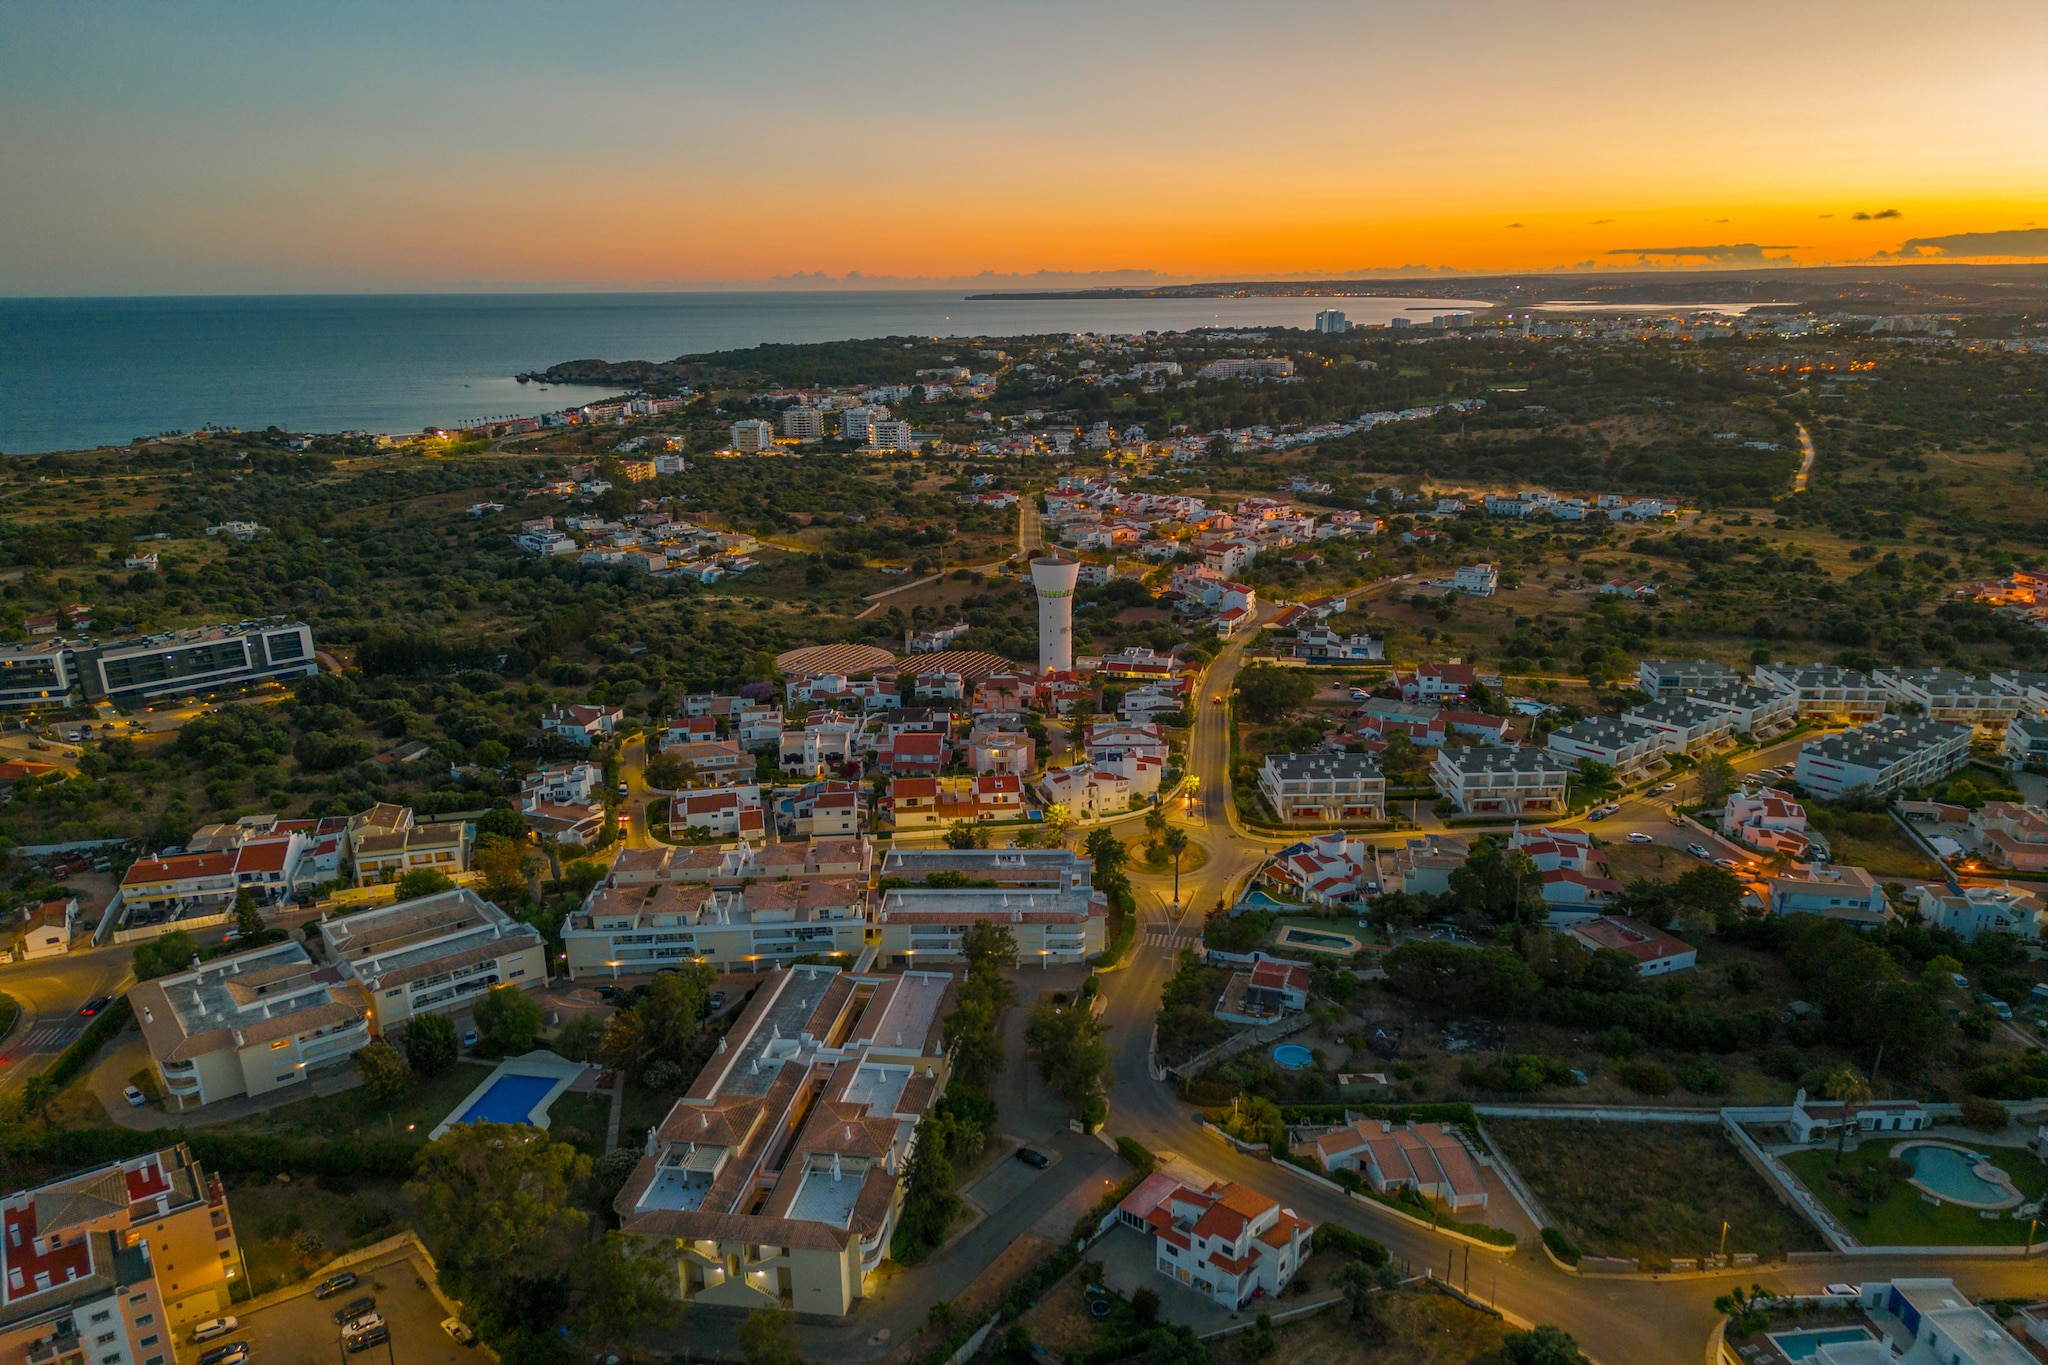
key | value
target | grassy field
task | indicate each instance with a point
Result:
(1902, 1217)
(1423, 1327)
(287, 1231)
(1648, 1190)
(348, 1113)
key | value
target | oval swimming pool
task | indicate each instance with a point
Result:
(1293, 1056)
(1952, 1174)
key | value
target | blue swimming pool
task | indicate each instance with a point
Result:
(1293, 1056)
(509, 1100)
(1803, 1345)
(1953, 1175)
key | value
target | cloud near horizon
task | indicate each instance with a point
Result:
(1736, 253)
(2029, 242)
(1862, 217)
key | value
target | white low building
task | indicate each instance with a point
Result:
(1885, 756)
(1683, 725)
(1227, 1243)
(1494, 781)
(1628, 748)
(1323, 788)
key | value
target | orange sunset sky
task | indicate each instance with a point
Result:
(231, 148)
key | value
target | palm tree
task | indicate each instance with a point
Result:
(1176, 843)
(1848, 1086)
(1155, 821)
(551, 846)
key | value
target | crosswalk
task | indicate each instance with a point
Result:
(47, 1036)
(1171, 937)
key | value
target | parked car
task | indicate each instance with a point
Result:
(1842, 1291)
(1664, 789)
(1699, 851)
(354, 1308)
(1033, 1158)
(368, 1322)
(334, 1284)
(1636, 836)
(715, 1003)
(138, 1099)
(469, 1037)
(1727, 864)
(234, 1353)
(376, 1336)
(1597, 813)
(455, 1328)
(213, 1327)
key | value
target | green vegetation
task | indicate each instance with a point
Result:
(1649, 1191)
(1870, 1191)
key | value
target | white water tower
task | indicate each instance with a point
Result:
(1054, 578)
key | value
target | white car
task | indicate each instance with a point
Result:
(1636, 836)
(355, 1327)
(1663, 789)
(213, 1327)
(1699, 851)
(138, 1099)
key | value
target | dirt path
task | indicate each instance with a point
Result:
(1805, 462)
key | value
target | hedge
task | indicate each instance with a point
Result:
(1139, 1158)
(1561, 1246)
(1360, 1247)
(223, 1153)
(73, 1060)
(1127, 932)
(1393, 1113)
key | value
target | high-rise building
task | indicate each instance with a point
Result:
(753, 436)
(1330, 320)
(890, 435)
(1054, 578)
(804, 422)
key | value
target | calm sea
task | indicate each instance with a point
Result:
(76, 373)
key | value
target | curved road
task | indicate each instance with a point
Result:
(1616, 1321)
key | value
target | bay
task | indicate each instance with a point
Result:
(79, 373)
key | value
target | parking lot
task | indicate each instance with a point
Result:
(300, 1330)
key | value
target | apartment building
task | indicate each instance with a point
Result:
(433, 955)
(1226, 1242)
(195, 660)
(1477, 580)
(1758, 712)
(1323, 788)
(1043, 896)
(386, 855)
(1885, 756)
(1684, 725)
(2026, 741)
(1664, 677)
(1496, 781)
(635, 929)
(1825, 691)
(753, 436)
(823, 809)
(1945, 695)
(775, 1182)
(183, 884)
(108, 1266)
(737, 863)
(248, 1024)
(36, 674)
(1630, 749)
(2011, 835)
(803, 422)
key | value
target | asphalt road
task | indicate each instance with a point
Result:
(50, 991)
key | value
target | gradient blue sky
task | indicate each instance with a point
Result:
(153, 148)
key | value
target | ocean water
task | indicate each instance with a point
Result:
(77, 373)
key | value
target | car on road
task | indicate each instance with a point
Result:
(234, 1353)
(469, 1037)
(136, 1098)
(213, 1327)
(1215, 697)
(94, 1006)
(1360, 694)
(1664, 789)
(1636, 836)
(624, 790)
(354, 1308)
(1033, 1158)
(1596, 814)
(334, 1284)
(456, 1328)
(715, 1003)
(1727, 864)
(1699, 851)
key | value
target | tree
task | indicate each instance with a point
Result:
(1266, 693)
(1058, 820)
(1545, 1345)
(430, 1044)
(988, 946)
(1363, 1284)
(505, 867)
(1145, 1306)
(423, 881)
(1109, 856)
(624, 1289)
(502, 821)
(668, 772)
(1592, 780)
(1072, 1057)
(966, 834)
(1155, 821)
(673, 1010)
(495, 1201)
(1490, 981)
(160, 957)
(1176, 845)
(509, 1017)
(1845, 1084)
(766, 1339)
(1499, 883)
(1717, 779)
(385, 1074)
(248, 919)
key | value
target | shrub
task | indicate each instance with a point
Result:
(1353, 1244)
(1701, 1078)
(1136, 1155)
(1560, 1246)
(1645, 1078)
(1985, 1115)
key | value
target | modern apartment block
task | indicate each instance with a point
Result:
(1825, 692)
(1494, 781)
(1885, 756)
(195, 660)
(1627, 748)
(433, 955)
(1663, 677)
(753, 436)
(638, 928)
(776, 1180)
(1043, 896)
(1758, 712)
(110, 1265)
(1324, 788)
(1683, 725)
(1958, 698)
(248, 1024)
